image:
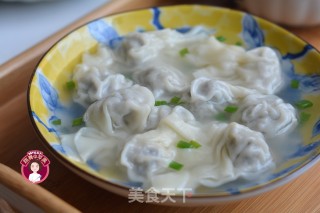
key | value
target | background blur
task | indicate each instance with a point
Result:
(23, 25)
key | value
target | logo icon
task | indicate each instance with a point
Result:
(35, 166)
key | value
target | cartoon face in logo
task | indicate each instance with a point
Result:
(35, 166)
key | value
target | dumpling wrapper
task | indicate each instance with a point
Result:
(227, 151)
(89, 144)
(123, 113)
(267, 114)
(257, 69)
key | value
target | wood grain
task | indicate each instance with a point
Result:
(5, 207)
(17, 137)
(36, 194)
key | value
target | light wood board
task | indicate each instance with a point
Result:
(17, 137)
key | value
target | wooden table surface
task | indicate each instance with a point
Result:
(17, 137)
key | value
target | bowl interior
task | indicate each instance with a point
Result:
(49, 99)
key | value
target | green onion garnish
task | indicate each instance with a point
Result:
(160, 103)
(183, 52)
(70, 85)
(195, 144)
(188, 145)
(56, 122)
(303, 104)
(175, 165)
(77, 121)
(184, 145)
(239, 43)
(175, 100)
(221, 117)
(231, 109)
(304, 117)
(294, 84)
(221, 38)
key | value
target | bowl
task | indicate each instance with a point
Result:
(48, 98)
(287, 12)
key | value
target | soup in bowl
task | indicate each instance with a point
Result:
(195, 99)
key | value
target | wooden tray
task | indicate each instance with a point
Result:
(17, 137)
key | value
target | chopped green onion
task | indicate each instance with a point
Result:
(294, 84)
(221, 38)
(77, 121)
(304, 117)
(188, 145)
(195, 144)
(175, 100)
(239, 43)
(303, 104)
(160, 103)
(231, 109)
(175, 165)
(184, 145)
(56, 122)
(221, 117)
(183, 52)
(70, 85)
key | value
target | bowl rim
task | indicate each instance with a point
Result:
(199, 199)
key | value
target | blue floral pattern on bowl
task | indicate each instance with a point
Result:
(253, 34)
